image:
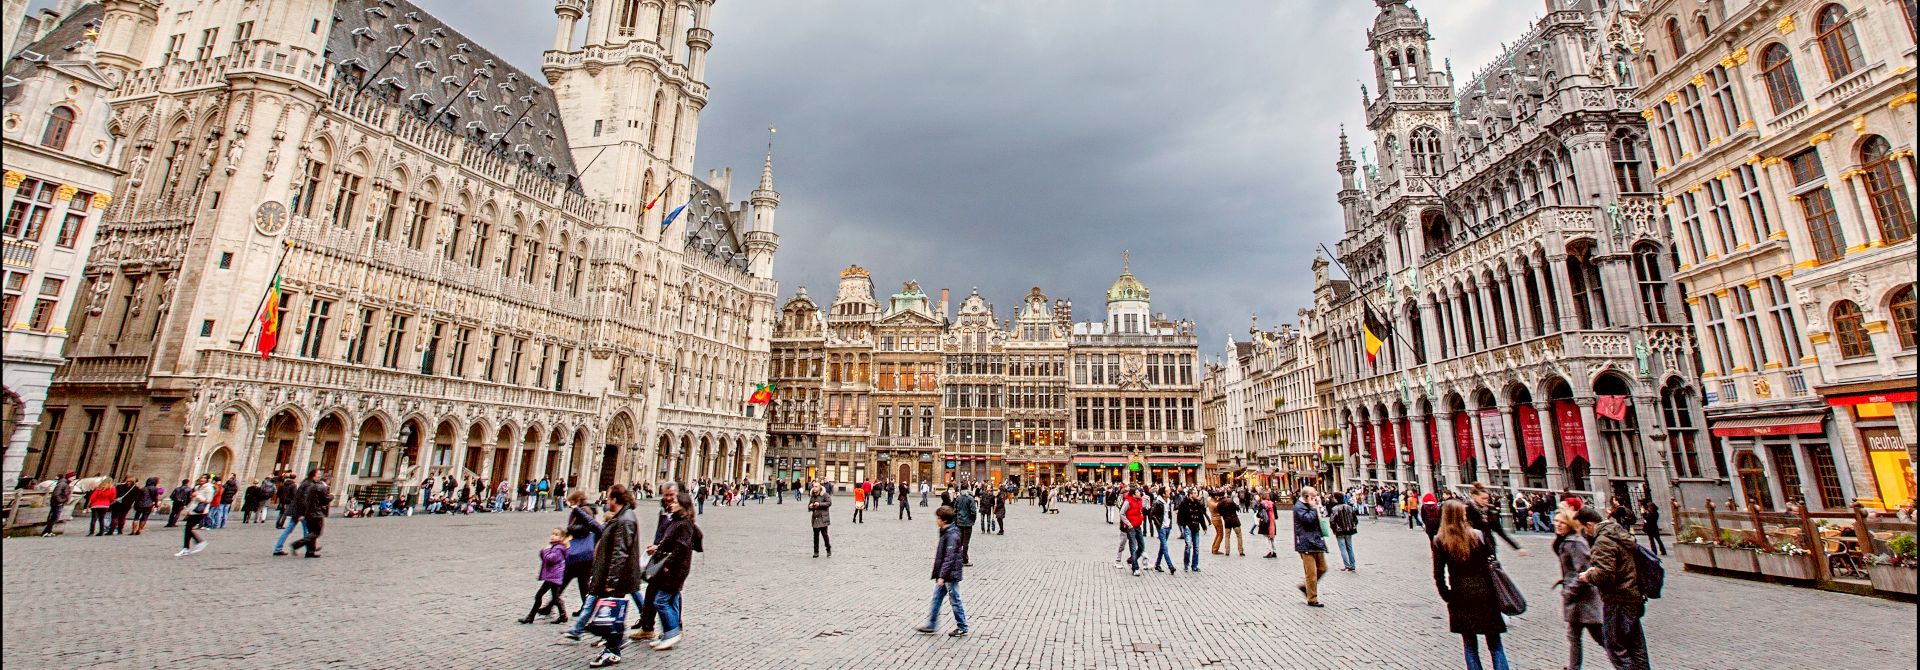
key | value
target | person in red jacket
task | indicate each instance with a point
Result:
(1134, 513)
(100, 501)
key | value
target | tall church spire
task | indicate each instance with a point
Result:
(766, 170)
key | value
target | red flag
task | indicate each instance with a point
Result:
(269, 320)
(1612, 407)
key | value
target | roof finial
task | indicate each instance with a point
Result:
(1126, 262)
(766, 170)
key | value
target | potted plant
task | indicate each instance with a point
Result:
(1693, 547)
(1786, 559)
(1894, 571)
(1735, 552)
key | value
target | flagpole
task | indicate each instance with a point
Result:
(285, 251)
(1367, 302)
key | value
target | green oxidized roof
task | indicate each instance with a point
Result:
(1126, 287)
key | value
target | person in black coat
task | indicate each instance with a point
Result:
(1190, 514)
(315, 499)
(675, 554)
(1463, 573)
(616, 567)
(1483, 516)
(948, 568)
(179, 497)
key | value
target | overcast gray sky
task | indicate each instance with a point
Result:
(1006, 144)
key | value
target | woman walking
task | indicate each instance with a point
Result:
(675, 554)
(1484, 516)
(150, 495)
(1463, 573)
(1579, 601)
(199, 505)
(818, 503)
(100, 503)
(1650, 526)
(1266, 524)
(582, 530)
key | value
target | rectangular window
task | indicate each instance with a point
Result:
(1823, 225)
(514, 359)
(1805, 166)
(346, 196)
(1717, 331)
(206, 328)
(431, 353)
(1724, 100)
(89, 439)
(49, 438)
(1781, 311)
(1722, 214)
(306, 190)
(280, 310)
(175, 43)
(1694, 117)
(560, 369)
(1691, 225)
(1746, 182)
(493, 357)
(418, 223)
(1826, 476)
(208, 38)
(357, 349)
(457, 359)
(389, 217)
(1669, 132)
(318, 313)
(396, 338)
(42, 314)
(242, 34)
(70, 229)
(1749, 319)
(27, 215)
(123, 443)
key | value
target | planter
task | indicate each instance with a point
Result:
(1891, 578)
(1699, 555)
(1736, 560)
(1785, 566)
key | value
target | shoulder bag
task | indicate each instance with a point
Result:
(1511, 602)
(654, 566)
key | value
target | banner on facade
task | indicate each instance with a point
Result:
(1406, 437)
(1573, 435)
(1433, 442)
(1533, 444)
(1463, 438)
(1495, 435)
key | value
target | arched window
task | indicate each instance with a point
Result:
(1783, 86)
(59, 126)
(1629, 171)
(1753, 480)
(1589, 295)
(1653, 285)
(1700, 24)
(1850, 330)
(1904, 316)
(1675, 40)
(1839, 47)
(1424, 143)
(1419, 334)
(1886, 191)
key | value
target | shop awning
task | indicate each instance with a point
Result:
(1786, 424)
(1863, 398)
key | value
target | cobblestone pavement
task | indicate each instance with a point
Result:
(443, 592)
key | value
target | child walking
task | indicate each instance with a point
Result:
(946, 576)
(553, 567)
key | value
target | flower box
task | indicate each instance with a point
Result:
(1891, 578)
(1737, 560)
(1785, 566)
(1700, 555)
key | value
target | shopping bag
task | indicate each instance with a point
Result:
(607, 613)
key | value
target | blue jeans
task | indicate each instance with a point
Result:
(586, 612)
(219, 517)
(1191, 552)
(668, 605)
(1136, 543)
(1346, 549)
(945, 591)
(1472, 644)
(292, 523)
(1163, 556)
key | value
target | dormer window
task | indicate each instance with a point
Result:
(59, 127)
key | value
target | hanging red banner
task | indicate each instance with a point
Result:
(1533, 444)
(1433, 442)
(1406, 437)
(1463, 437)
(1573, 435)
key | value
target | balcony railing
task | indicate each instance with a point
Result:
(299, 372)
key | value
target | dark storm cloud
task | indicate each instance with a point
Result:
(1005, 144)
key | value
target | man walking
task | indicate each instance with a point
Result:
(314, 506)
(1611, 568)
(63, 493)
(1345, 521)
(295, 512)
(179, 497)
(965, 512)
(925, 488)
(906, 510)
(947, 568)
(1309, 543)
(1132, 517)
(1191, 515)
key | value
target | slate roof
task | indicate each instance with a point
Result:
(421, 64)
(710, 227)
(57, 44)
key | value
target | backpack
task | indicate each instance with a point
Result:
(1648, 575)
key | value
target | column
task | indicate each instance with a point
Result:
(486, 459)
(22, 438)
(1529, 329)
(672, 456)
(1556, 269)
(1845, 199)
(303, 450)
(1429, 327)
(1653, 447)
(563, 29)
(1550, 444)
(1596, 452)
(1422, 456)
(1479, 445)
(1449, 450)
(1510, 447)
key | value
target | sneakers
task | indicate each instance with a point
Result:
(958, 632)
(280, 553)
(604, 659)
(924, 630)
(640, 635)
(198, 547)
(526, 619)
(571, 636)
(666, 643)
(1315, 603)
(1136, 573)
(183, 552)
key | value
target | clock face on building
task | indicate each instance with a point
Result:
(271, 218)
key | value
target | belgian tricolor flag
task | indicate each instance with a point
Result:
(1374, 333)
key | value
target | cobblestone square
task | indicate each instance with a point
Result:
(444, 592)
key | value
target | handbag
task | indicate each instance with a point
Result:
(607, 613)
(654, 567)
(1326, 527)
(1511, 602)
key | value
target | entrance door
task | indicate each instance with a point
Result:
(609, 461)
(906, 473)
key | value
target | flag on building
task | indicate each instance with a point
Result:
(270, 320)
(1612, 407)
(1373, 334)
(762, 395)
(656, 198)
(668, 222)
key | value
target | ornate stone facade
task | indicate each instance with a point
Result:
(1784, 133)
(1510, 247)
(1269, 423)
(476, 272)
